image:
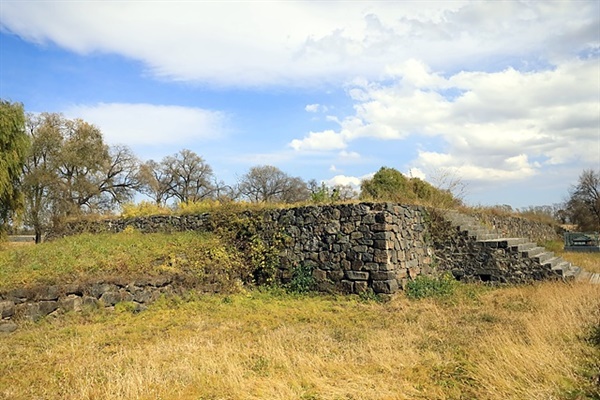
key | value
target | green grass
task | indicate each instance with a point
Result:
(124, 255)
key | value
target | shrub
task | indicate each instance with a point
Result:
(426, 286)
(197, 207)
(302, 279)
(143, 209)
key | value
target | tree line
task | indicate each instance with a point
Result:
(53, 168)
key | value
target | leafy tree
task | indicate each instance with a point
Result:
(388, 184)
(40, 178)
(583, 205)
(70, 170)
(14, 145)
(271, 185)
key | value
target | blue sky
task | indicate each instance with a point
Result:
(504, 95)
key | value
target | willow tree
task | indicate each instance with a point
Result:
(14, 145)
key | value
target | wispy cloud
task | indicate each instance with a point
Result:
(271, 43)
(152, 125)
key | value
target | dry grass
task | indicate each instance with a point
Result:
(510, 343)
(588, 261)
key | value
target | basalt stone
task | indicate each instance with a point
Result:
(90, 302)
(7, 309)
(98, 289)
(319, 274)
(20, 295)
(347, 286)
(47, 307)
(387, 287)
(49, 293)
(73, 289)
(31, 311)
(383, 275)
(7, 326)
(71, 303)
(335, 275)
(370, 266)
(360, 287)
(357, 275)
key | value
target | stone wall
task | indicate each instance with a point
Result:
(517, 227)
(471, 260)
(34, 303)
(349, 247)
(354, 247)
(357, 247)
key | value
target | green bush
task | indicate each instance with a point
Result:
(302, 279)
(426, 286)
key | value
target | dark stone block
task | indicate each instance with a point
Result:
(7, 309)
(383, 275)
(49, 293)
(357, 275)
(7, 326)
(46, 307)
(347, 286)
(387, 287)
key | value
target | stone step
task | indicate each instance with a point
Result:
(573, 272)
(487, 236)
(562, 268)
(525, 246)
(533, 251)
(541, 258)
(503, 243)
(550, 263)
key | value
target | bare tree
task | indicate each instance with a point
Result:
(270, 185)
(155, 182)
(191, 176)
(584, 201)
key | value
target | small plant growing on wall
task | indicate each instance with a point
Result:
(302, 280)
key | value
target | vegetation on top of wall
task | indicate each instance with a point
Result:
(389, 184)
(193, 257)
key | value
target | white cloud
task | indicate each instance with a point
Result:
(416, 173)
(312, 108)
(348, 155)
(344, 180)
(151, 125)
(294, 43)
(503, 125)
(322, 141)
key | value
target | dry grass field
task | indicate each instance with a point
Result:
(540, 341)
(533, 342)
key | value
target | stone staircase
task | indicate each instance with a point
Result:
(487, 237)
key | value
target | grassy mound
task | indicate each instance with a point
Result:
(127, 255)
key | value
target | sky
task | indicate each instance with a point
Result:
(502, 97)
